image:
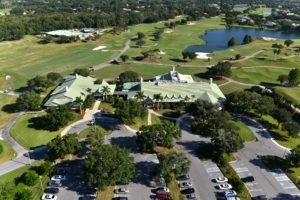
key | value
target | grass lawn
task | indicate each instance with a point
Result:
(280, 136)
(107, 106)
(36, 190)
(156, 119)
(28, 136)
(175, 190)
(292, 94)
(7, 154)
(6, 110)
(138, 123)
(170, 113)
(85, 132)
(232, 87)
(245, 132)
(106, 194)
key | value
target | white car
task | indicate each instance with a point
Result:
(185, 184)
(49, 197)
(225, 186)
(163, 189)
(121, 190)
(58, 178)
(221, 180)
(230, 193)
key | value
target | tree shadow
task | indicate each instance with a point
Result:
(23, 89)
(193, 147)
(178, 60)
(138, 58)
(266, 84)
(38, 123)
(144, 172)
(127, 142)
(286, 196)
(10, 108)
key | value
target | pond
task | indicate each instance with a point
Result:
(218, 39)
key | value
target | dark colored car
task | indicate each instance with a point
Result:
(188, 191)
(248, 179)
(52, 190)
(120, 198)
(184, 177)
(260, 197)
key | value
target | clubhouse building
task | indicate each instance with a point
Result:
(172, 86)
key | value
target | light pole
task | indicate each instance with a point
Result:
(28, 153)
(40, 177)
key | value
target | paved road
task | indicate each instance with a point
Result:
(189, 144)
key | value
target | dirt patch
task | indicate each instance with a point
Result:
(151, 59)
(73, 44)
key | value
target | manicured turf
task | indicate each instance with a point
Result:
(6, 109)
(245, 132)
(292, 94)
(232, 87)
(175, 190)
(7, 154)
(106, 106)
(139, 123)
(85, 132)
(28, 136)
(156, 119)
(170, 113)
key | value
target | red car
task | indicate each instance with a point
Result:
(163, 196)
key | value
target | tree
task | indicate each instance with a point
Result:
(82, 71)
(173, 164)
(57, 118)
(232, 42)
(54, 77)
(96, 135)
(140, 35)
(265, 105)
(241, 102)
(247, 39)
(292, 128)
(157, 98)
(220, 69)
(294, 77)
(105, 91)
(294, 156)
(23, 193)
(107, 165)
(148, 137)
(124, 58)
(29, 178)
(39, 83)
(79, 102)
(282, 115)
(127, 111)
(46, 168)
(238, 56)
(192, 55)
(140, 43)
(59, 147)
(226, 141)
(98, 81)
(29, 101)
(288, 42)
(128, 76)
(140, 96)
(283, 79)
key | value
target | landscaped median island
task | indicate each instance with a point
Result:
(28, 132)
(244, 131)
(6, 152)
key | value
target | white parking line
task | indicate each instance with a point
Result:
(296, 194)
(212, 169)
(282, 178)
(290, 187)
(241, 169)
(255, 190)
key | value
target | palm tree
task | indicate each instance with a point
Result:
(105, 91)
(187, 98)
(157, 98)
(193, 96)
(140, 96)
(89, 90)
(78, 101)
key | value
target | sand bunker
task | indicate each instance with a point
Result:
(191, 23)
(201, 55)
(99, 48)
(168, 30)
(161, 52)
(266, 38)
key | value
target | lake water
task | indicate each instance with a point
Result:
(218, 39)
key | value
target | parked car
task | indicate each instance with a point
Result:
(164, 189)
(229, 193)
(121, 190)
(225, 186)
(190, 196)
(184, 177)
(260, 197)
(232, 198)
(185, 184)
(163, 196)
(221, 180)
(49, 197)
(58, 178)
(60, 171)
(52, 190)
(120, 198)
(248, 179)
(55, 183)
(188, 191)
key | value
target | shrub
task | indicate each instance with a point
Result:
(29, 178)
(45, 168)
(1, 148)
(237, 184)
